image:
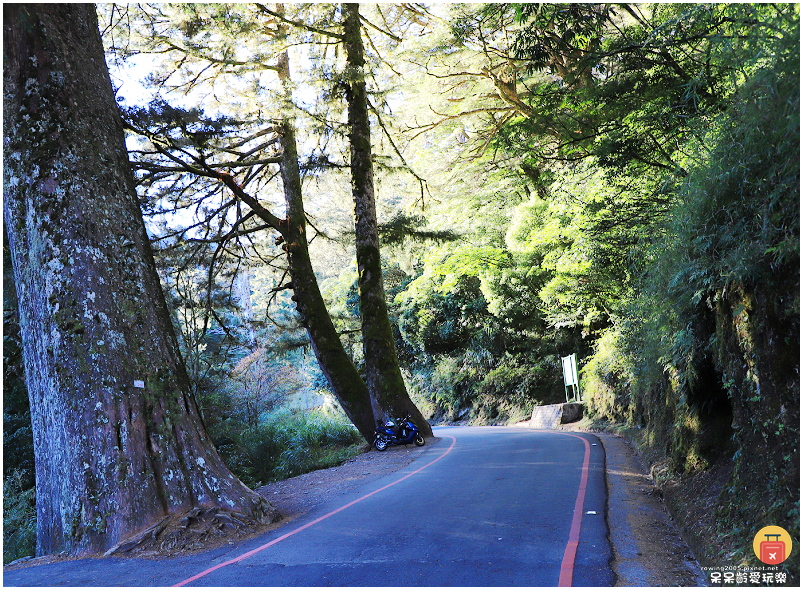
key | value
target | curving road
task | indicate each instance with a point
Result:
(488, 506)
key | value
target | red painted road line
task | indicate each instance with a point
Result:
(244, 556)
(568, 563)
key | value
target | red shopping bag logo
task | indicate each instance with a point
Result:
(772, 545)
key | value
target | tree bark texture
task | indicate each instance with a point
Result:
(118, 438)
(384, 379)
(347, 384)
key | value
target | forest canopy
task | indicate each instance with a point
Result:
(618, 181)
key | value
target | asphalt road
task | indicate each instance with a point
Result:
(485, 507)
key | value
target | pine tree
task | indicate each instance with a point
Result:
(387, 388)
(248, 179)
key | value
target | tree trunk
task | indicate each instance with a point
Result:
(118, 438)
(387, 388)
(243, 295)
(347, 384)
(345, 381)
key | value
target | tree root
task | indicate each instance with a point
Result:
(200, 528)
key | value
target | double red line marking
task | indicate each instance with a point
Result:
(568, 563)
(244, 556)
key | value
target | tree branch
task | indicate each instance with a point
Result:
(298, 24)
(377, 28)
(422, 182)
(207, 171)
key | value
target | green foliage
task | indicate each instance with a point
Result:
(402, 227)
(17, 432)
(632, 81)
(460, 354)
(704, 357)
(521, 380)
(480, 337)
(19, 516)
(740, 211)
(441, 324)
(608, 378)
(576, 248)
(259, 384)
(447, 382)
(618, 178)
(285, 445)
(466, 358)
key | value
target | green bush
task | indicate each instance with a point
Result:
(496, 389)
(19, 517)
(607, 378)
(705, 357)
(285, 445)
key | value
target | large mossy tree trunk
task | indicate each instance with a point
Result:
(346, 383)
(118, 437)
(386, 385)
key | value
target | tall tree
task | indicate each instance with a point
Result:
(250, 156)
(168, 155)
(118, 437)
(343, 376)
(385, 381)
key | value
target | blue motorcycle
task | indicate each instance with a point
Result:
(397, 432)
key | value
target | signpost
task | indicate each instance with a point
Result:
(569, 365)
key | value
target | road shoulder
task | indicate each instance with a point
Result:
(648, 548)
(298, 495)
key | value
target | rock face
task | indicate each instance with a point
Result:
(571, 412)
(552, 416)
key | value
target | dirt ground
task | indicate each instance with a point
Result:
(649, 549)
(297, 495)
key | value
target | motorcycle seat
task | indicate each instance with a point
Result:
(395, 426)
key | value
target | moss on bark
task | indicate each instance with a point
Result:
(112, 457)
(386, 385)
(337, 366)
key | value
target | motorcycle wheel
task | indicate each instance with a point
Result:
(381, 443)
(418, 440)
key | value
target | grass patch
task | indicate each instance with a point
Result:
(286, 444)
